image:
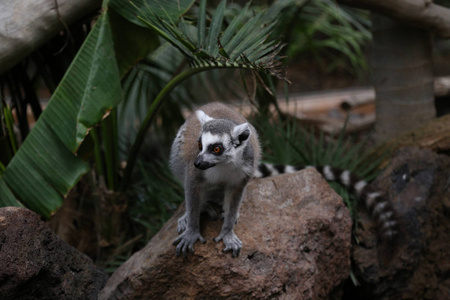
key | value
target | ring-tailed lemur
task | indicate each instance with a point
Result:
(217, 150)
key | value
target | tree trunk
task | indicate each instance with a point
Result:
(402, 76)
(27, 24)
(417, 13)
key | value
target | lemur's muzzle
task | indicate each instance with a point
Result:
(202, 164)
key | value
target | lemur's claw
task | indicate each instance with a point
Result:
(232, 243)
(185, 242)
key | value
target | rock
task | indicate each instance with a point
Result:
(36, 264)
(296, 245)
(418, 183)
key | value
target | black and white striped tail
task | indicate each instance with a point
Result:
(380, 209)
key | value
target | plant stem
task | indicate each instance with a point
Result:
(10, 127)
(97, 152)
(2, 168)
(109, 135)
(151, 113)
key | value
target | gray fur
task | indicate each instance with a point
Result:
(204, 172)
(219, 126)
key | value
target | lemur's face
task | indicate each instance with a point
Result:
(213, 149)
(221, 141)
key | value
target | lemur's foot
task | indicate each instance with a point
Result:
(232, 243)
(186, 242)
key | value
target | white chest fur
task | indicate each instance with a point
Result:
(227, 173)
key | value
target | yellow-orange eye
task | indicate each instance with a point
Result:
(217, 149)
(200, 145)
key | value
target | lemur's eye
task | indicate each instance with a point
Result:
(200, 145)
(217, 149)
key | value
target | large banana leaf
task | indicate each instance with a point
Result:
(46, 166)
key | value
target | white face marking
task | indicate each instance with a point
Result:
(208, 138)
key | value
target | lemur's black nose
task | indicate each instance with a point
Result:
(201, 164)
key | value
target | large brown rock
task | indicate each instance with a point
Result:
(36, 264)
(296, 245)
(418, 183)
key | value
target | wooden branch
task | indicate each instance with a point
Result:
(27, 24)
(441, 88)
(417, 13)
(434, 136)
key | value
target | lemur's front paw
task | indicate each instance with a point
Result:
(231, 241)
(186, 242)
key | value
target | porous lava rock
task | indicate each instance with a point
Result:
(418, 263)
(296, 245)
(36, 264)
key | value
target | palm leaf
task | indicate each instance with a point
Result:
(46, 166)
(215, 28)
(240, 40)
(251, 35)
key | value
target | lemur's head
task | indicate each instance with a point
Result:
(220, 141)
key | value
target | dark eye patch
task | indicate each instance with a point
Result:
(216, 149)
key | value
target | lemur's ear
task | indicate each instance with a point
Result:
(202, 117)
(240, 133)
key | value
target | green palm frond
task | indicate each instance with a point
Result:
(244, 43)
(143, 83)
(288, 143)
(50, 161)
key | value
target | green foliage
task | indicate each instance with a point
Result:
(241, 45)
(142, 84)
(113, 92)
(158, 196)
(9, 123)
(55, 155)
(335, 36)
(46, 165)
(153, 201)
(287, 142)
